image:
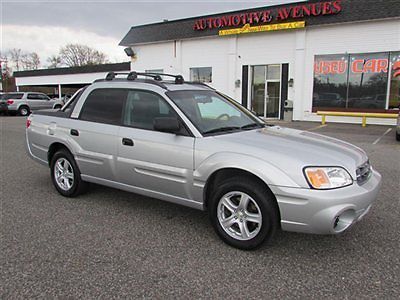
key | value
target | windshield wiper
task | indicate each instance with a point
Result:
(252, 125)
(222, 129)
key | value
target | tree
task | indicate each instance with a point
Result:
(30, 61)
(15, 57)
(74, 55)
(54, 61)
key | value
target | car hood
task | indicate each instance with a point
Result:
(291, 150)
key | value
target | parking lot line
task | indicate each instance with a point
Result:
(379, 138)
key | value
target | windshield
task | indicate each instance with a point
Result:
(212, 113)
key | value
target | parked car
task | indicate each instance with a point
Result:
(188, 144)
(23, 103)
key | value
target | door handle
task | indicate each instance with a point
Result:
(127, 142)
(74, 132)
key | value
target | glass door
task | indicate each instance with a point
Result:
(266, 87)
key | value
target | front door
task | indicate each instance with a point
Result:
(150, 160)
(266, 87)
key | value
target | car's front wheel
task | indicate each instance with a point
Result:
(65, 174)
(243, 213)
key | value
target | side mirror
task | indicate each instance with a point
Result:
(167, 124)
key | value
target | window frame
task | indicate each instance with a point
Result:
(84, 102)
(189, 133)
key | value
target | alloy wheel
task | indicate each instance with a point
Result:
(64, 174)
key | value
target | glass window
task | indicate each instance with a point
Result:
(34, 97)
(104, 106)
(330, 81)
(142, 108)
(211, 113)
(273, 72)
(394, 95)
(357, 82)
(258, 90)
(201, 74)
(368, 79)
(11, 96)
(157, 71)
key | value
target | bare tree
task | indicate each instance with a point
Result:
(54, 61)
(74, 55)
(15, 57)
(30, 61)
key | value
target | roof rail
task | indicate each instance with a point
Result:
(200, 83)
(178, 78)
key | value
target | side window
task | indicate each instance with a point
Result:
(33, 97)
(42, 97)
(104, 106)
(142, 108)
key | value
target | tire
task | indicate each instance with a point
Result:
(65, 174)
(57, 107)
(23, 111)
(261, 207)
(398, 136)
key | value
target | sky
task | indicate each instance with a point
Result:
(45, 26)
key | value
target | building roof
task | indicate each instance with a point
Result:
(352, 11)
(75, 70)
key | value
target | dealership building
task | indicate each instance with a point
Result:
(313, 55)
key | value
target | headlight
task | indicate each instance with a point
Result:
(323, 178)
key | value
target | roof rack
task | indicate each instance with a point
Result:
(178, 78)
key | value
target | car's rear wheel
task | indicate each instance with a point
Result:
(23, 111)
(398, 136)
(244, 213)
(65, 174)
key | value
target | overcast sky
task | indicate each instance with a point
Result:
(45, 26)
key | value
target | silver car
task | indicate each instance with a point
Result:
(23, 103)
(186, 143)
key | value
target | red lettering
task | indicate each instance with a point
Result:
(296, 12)
(235, 20)
(396, 68)
(283, 13)
(306, 10)
(337, 5)
(355, 66)
(199, 25)
(342, 67)
(314, 10)
(217, 23)
(326, 8)
(382, 66)
(266, 16)
(226, 21)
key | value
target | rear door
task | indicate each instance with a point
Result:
(151, 160)
(95, 132)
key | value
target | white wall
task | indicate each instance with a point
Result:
(226, 55)
(85, 78)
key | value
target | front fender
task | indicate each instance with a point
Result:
(267, 172)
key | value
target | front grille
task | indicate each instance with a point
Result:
(363, 172)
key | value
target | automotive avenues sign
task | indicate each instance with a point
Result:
(258, 19)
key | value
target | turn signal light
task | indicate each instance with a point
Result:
(317, 178)
(9, 102)
(28, 123)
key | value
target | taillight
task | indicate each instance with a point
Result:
(28, 123)
(9, 102)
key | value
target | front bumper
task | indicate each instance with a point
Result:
(326, 211)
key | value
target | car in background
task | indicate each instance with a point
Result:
(22, 103)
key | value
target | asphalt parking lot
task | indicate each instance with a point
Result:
(112, 244)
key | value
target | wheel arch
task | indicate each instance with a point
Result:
(56, 146)
(229, 172)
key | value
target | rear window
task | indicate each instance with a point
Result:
(104, 106)
(11, 96)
